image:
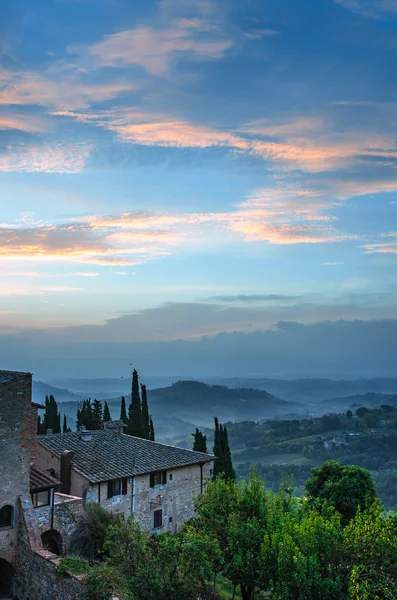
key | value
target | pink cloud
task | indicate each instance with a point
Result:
(154, 49)
(315, 154)
(55, 89)
(23, 123)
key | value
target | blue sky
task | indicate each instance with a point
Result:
(204, 166)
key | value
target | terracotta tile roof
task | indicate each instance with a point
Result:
(41, 480)
(108, 456)
(10, 376)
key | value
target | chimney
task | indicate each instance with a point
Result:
(49, 431)
(85, 435)
(66, 467)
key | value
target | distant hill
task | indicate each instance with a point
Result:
(41, 390)
(369, 399)
(179, 407)
(312, 390)
(198, 403)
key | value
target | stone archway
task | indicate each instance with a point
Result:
(7, 573)
(52, 541)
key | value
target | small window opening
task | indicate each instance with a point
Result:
(158, 478)
(158, 519)
(6, 516)
(41, 498)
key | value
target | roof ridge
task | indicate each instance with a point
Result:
(167, 445)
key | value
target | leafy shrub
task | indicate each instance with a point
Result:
(72, 564)
(89, 536)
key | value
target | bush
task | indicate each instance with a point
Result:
(89, 536)
(72, 564)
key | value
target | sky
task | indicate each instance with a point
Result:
(178, 172)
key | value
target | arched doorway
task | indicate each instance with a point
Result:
(6, 579)
(52, 541)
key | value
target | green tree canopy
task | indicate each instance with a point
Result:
(343, 487)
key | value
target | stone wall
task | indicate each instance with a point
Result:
(36, 577)
(67, 509)
(17, 445)
(175, 498)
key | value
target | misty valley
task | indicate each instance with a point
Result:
(282, 428)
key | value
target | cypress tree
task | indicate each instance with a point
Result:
(217, 448)
(97, 415)
(106, 413)
(145, 413)
(227, 456)
(85, 415)
(134, 426)
(65, 427)
(223, 458)
(52, 418)
(200, 441)
(151, 429)
(123, 411)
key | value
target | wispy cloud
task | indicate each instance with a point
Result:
(48, 158)
(376, 9)
(27, 123)
(155, 48)
(9, 290)
(332, 264)
(59, 88)
(313, 154)
(255, 298)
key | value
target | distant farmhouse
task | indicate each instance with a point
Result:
(153, 482)
(45, 481)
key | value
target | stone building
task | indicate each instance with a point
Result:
(34, 518)
(154, 482)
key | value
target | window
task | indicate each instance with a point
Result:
(6, 516)
(158, 519)
(117, 487)
(169, 519)
(158, 478)
(170, 476)
(41, 498)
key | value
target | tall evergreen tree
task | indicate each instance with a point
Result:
(227, 456)
(223, 458)
(97, 415)
(151, 429)
(217, 448)
(123, 411)
(106, 413)
(52, 418)
(145, 413)
(65, 428)
(85, 415)
(134, 425)
(200, 441)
